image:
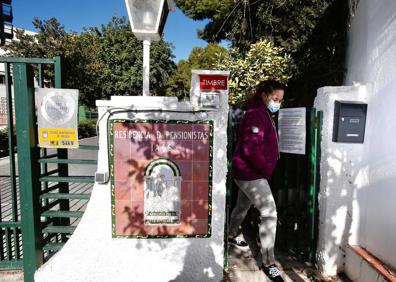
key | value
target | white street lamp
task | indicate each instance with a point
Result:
(147, 18)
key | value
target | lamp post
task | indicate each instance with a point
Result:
(147, 18)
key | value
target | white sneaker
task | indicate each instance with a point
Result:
(238, 242)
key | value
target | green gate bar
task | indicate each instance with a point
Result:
(10, 229)
(315, 216)
(62, 154)
(315, 131)
(311, 189)
(11, 149)
(29, 168)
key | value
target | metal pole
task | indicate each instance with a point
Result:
(62, 154)
(146, 67)
(29, 169)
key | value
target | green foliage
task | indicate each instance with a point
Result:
(3, 142)
(51, 40)
(86, 128)
(312, 32)
(100, 62)
(200, 58)
(321, 60)
(121, 55)
(263, 61)
(287, 23)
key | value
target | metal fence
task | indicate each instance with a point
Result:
(40, 202)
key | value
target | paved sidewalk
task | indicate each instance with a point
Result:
(242, 267)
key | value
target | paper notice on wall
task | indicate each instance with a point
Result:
(292, 130)
(57, 117)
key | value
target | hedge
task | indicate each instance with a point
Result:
(3, 142)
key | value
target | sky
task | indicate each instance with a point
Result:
(77, 14)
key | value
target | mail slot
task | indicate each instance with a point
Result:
(349, 122)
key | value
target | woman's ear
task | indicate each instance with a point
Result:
(265, 98)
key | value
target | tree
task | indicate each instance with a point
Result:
(50, 41)
(199, 58)
(100, 62)
(263, 61)
(122, 55)
(287, 23)
(313, 32)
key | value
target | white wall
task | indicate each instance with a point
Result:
(92, 254)
(340, 183)
(372, 60)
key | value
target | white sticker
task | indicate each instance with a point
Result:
(58, 108)
(255, 129)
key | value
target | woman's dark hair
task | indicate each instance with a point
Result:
(267, 87)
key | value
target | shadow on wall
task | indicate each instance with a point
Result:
(371, 60)
(378, 197)
(199, 253)
(341, 179)
(199, 266)
(142, 203)
(337, 196)
(359, 192)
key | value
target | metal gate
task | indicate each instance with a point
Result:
(37, 215)
(295, 186)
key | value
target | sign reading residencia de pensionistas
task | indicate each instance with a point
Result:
(161, 178)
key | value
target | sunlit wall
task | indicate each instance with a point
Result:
(372, 61)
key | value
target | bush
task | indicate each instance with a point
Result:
(3, 142)
(86, 128)
(263, 61)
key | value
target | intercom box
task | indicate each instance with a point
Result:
(209, 89)
(349, 121)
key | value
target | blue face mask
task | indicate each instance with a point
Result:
(273, 107)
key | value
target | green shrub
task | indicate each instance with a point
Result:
(86, 128)
(263, 61)
(4, 142)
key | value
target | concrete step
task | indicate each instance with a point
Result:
(11, 276)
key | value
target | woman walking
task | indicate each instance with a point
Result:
(254, 160)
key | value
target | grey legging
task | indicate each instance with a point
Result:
(257, 193)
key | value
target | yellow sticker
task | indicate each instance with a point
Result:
(58, 138)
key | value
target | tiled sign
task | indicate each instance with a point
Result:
(161, 178)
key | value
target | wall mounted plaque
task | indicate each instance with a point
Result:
(161, 178)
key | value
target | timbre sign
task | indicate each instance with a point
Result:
(213, 82)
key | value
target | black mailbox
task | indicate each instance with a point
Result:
(349, 122)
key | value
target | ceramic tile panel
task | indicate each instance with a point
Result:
(160, 180)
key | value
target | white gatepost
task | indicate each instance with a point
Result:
(341, 178)
(159, 214)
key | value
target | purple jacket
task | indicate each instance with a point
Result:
(257, 149)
